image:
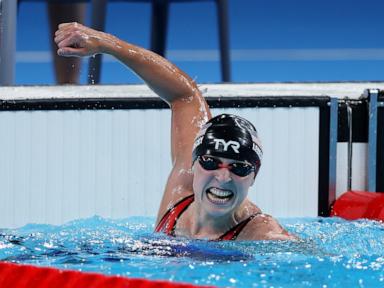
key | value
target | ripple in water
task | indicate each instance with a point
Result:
(332, 252)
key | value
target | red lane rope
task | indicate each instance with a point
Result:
(359, 204)
(26, 276)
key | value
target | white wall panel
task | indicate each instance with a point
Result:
(56, 166)
(287, 184)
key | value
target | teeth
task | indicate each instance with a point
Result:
(220, 193)
(219, 196)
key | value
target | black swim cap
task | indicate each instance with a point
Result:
(229, 136)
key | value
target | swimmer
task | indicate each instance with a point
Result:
(215, 160)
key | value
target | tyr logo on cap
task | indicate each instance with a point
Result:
(234, 145)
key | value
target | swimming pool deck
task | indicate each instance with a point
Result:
(352, 90)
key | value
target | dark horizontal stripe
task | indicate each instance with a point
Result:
(82, 104)
(271, 102)
(155, 103)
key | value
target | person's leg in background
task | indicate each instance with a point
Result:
(67, 70)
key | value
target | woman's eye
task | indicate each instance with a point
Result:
(241, 165)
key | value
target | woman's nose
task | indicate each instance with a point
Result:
(223, 175)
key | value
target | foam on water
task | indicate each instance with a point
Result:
(332, 253)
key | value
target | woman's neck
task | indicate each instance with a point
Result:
(207, 226)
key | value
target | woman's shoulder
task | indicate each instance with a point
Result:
(171, 199)
(264, 227)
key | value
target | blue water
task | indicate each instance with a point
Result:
(332, 253)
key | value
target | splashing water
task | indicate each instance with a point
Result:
(332, 253)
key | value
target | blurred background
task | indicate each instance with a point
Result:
(270, 40)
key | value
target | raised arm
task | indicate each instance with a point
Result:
(164, 78)
(189, 109)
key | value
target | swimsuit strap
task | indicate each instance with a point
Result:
(167, 224)
(232, 233)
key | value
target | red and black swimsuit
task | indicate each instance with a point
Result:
(167, 224)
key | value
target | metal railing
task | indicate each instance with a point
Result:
(8, 13)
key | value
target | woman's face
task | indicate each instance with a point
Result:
(220, 191)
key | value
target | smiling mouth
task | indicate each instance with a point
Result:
(219, 196)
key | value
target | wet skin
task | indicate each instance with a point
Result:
(220, 192)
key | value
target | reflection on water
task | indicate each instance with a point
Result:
(332, 252)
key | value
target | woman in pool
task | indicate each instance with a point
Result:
(215, 161)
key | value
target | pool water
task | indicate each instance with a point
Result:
(332, 253)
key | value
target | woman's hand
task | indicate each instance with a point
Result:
(74, 39)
